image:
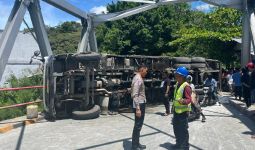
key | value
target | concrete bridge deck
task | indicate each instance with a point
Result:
(225, 129)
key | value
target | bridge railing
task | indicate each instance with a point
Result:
(18, 89)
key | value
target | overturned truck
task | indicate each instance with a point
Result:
(82, 85)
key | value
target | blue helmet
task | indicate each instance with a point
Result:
(182, 71)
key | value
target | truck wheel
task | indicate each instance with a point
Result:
(90, 56)
(187, 66)
(85, 115)
(198, 60)
(49, 90)
(198, 65)
(181, 59)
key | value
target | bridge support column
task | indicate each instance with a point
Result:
(246, 37)
(252, 23)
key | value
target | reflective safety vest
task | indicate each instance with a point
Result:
(178, 94)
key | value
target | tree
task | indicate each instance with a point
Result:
(212, 37)
(65, 37)
(145, 33)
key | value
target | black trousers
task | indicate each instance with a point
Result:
(246, 96)
(167, 104)
(238, 90)
(138, 126)
(180, 125)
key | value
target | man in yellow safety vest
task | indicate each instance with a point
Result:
(182, 107)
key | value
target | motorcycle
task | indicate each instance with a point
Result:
(196, 111)
(209, 97)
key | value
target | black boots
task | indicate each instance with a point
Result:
(139, 147)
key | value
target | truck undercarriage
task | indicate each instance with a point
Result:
(77, 84)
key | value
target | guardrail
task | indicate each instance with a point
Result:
(21, 88)
(17, 89)
(21, 104)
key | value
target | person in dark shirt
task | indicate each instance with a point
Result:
(251, 68)
(165, 85)
(245, 80)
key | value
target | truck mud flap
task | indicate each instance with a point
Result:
(85, 115)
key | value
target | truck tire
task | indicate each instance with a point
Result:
(85, 115)
(49, 91)
(198, 65)
(187, 66)
(198, 60)
(90, 56)
(181, 60)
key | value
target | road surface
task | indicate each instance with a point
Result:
(225, 129)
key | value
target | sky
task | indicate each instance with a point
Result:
(53, 16)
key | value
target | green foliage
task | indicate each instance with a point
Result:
(211, 36)
(66, 27)
(64, 42)
(65, 37)
(22, 96)
(147, 33)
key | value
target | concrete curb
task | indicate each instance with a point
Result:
(12, 124)
(241, 106)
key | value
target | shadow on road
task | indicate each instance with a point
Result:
(167, 145)
(20, 138)
(244, 119)
(160, 131)
(159, 113)
(126, 143)
(248, 133)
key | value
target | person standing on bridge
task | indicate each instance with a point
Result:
(139, 100)
(237, 83)
(251, 68)
(182, 107)
(165, 89)
(245, 80)
(212, 83)
(196, 109)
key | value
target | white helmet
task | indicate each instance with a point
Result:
(189, 78)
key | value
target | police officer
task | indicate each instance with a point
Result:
(182, 107)
(139, 100)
